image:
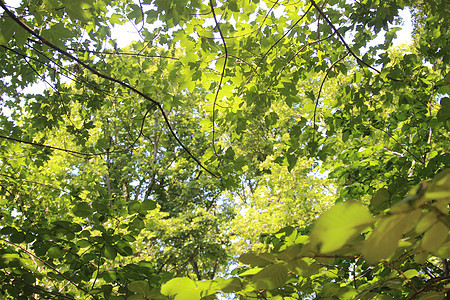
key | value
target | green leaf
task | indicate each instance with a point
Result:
(385, 237)
(333, 290)
(290, 253)
(137, 297)
(109, 252)
(8, 230)
(78, 9)
(182, 289)
(229, 285)
(17, 237)
(435, 237)
(411, 273)
(439, 187)
(95, 291)
(55, 252)
(380, 200)
(443, 115)
(7, 29)
(116, 19)
(336, 226)
(304, 266)
(83, 244)
(124, 248)
(142, 117)
(147, 205)
(271, 277)
(135, 14)
(133, 207)
(83, 210)
(29, 278)
(346, 134)
(57, 34)
(444, 250)
(254, 259)
(140, 287)
(432, 296)
(426, 222)
(137, 224)
(251, 272)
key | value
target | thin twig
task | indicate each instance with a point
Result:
(395, 140)
(271, 47)
(244, 34)
(401, 274)
(49, 266)
(283, 36)
(121, 53)
(30, 181)
(83, 153)
(221, 76)
(320, 91)
(325, 17)
(298, 52)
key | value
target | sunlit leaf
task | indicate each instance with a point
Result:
(336, 226)
(181, 288)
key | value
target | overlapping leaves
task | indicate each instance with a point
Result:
(347, 234)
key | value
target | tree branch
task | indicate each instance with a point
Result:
(121, 53)
(109, 78)
(221, 76)
(325, 17)
(320, 91)
(49, 266)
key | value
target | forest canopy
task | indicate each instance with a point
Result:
(254, 149)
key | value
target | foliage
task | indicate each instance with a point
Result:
(144, 171)
(350, 255)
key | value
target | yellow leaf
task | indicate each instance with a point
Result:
(182, 288)
(440, 186)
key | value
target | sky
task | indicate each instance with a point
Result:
(404, 36)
